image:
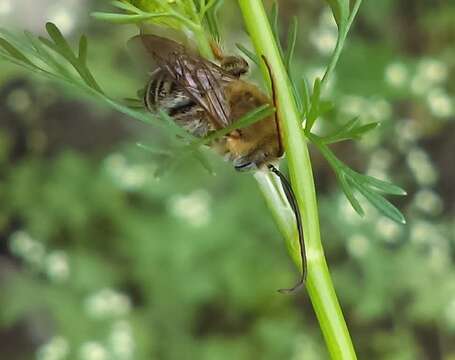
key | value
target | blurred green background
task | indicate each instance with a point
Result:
(101, 260)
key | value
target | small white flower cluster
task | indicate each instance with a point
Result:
(422, 167)
(107, 303)
(428, 202)
(126, 176)
(427, 82)
(120, 345)
(56, 348)
(193, 208)
(6, 7)
(375, 109)
(54, 264)
(324, 36)
(358, 245)
(388, 229)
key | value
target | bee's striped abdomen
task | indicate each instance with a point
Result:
(163, 93)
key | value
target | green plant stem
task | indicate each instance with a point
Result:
(319, 284)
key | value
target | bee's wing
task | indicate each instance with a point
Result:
(201, 79)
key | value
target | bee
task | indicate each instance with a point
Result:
(203, 97)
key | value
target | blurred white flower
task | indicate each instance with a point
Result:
(126, 176)
(93, 350)
(19, 101)
(396, 74)
(421, 166)
(420, 86)
(432, 70)
(324, 40)
(55, 349)
(408, 130)
(357, 245)
(63, 17)
(428, 201)
(439, 256)
(381, 159)
(346, 210)
(193, 208)
(6, 7)
(24, 246)
(440, 103)
(379, 109)
(423, 232)
(107, 303)
(389, 230)
(121, 341)
(353, 105)
(56, 265)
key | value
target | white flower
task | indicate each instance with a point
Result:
(93, 350)
(56, 349)
(6, 7)
(388, 229)
(107, 303)
(64, 18)
(432, 70)
(352, 105)
(421, 166)
(19, 101)
(57, 266)
(193, 208)
(379, 109)
(408, 130)
(121, 340)
(440, 103)
(27, 248)
(358, 245)
(126, 176)
(324, 40)
(396, 74)
(422, 232)
(428, 201)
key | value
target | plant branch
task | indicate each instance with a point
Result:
(319, 284)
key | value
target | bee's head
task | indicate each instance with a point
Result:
(268, 152)
(235, 65)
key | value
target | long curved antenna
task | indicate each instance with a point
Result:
(293, 202)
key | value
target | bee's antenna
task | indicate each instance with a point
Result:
(293, 202)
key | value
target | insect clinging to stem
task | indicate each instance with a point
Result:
(203, 97)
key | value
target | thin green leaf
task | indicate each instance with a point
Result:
(249, 54)
(154, 150)
(340, 10)
(131, 19)
(126, 6)
(275, 29)
(380, 185)
(305, 94)
(248, 119)
(292, 38)
(45, 55)
(83, 47)
(60, 41)
(349, 194)
(314, 108)
(15, 53)
(380, 203)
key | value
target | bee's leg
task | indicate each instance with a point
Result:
(293, 203)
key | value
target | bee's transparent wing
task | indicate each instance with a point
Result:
(203, 80)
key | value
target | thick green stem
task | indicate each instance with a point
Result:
(319, 284)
